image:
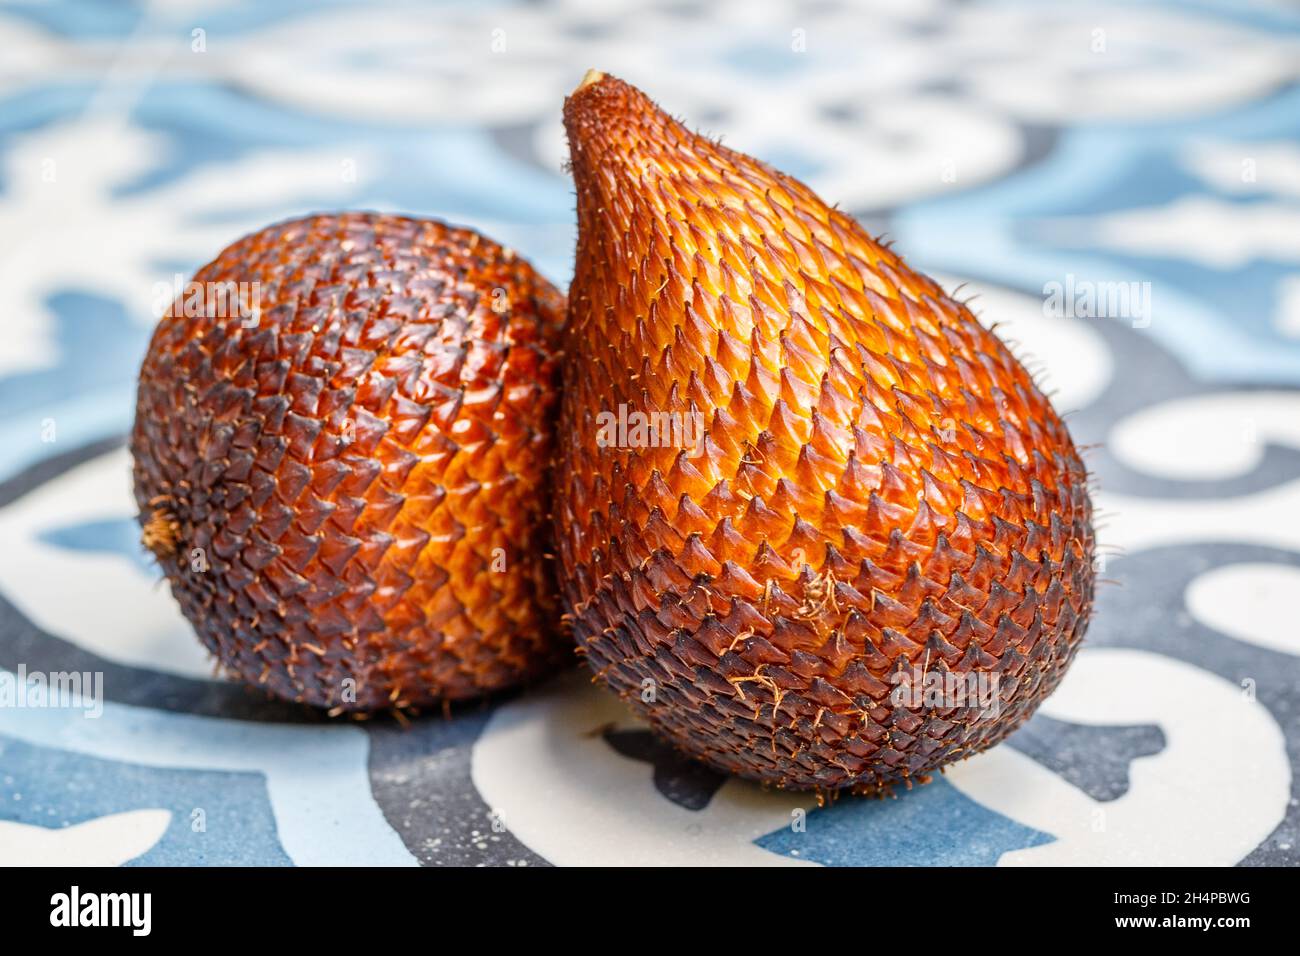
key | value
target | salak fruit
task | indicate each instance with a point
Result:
(816, 524)
(342, 444)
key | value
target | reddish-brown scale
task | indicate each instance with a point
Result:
(349, 491)
(880, 485)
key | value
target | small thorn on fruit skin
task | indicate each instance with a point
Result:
(160, 533)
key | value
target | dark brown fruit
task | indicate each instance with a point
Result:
(880, 488)
(349, 496)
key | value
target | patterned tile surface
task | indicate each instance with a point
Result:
(1123, 193)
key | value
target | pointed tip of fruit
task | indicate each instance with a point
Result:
(590, 77)
(588, 112)
(604, 115)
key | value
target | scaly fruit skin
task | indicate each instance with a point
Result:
(364, 473)
(880, 485)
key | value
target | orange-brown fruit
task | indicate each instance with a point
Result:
(877, 487)
(342, 445)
